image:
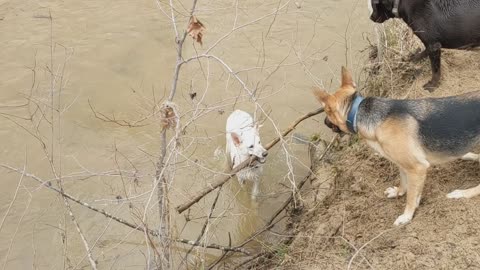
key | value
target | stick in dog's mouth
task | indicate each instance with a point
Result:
(257, 162)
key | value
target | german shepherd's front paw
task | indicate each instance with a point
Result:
(403, 219)
(393, 192)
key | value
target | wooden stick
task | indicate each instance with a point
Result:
(202, 193)
(212, 246)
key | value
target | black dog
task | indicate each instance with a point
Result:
(452, 24)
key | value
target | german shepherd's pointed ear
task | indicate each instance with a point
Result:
(347, 78)
(320, 94)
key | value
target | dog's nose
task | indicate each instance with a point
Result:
(265, 154)
(328, 123)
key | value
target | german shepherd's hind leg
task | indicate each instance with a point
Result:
(416, 180)
(470, 156)
(466, 193)
(395, 192)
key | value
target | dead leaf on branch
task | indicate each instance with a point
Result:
(195, 29)
(169, 116)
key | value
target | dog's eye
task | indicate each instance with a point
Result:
(251, 146)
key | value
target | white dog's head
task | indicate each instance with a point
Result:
(243, 138)
(248, 143)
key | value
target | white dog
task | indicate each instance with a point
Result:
(243, 141)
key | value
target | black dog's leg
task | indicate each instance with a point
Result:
(418, 55)
(434, 53)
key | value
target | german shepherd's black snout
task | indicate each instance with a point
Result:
(331, 126)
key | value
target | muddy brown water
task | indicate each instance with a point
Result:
(118, 57)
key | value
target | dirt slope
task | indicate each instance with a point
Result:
(354, 228)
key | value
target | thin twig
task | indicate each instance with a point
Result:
(16, 231)
(113, 120)
(13, 199)
(93, 263)
(363, 246)
(205, 224)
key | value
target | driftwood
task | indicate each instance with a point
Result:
(202, 193)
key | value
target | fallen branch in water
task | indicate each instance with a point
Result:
(202, 193)
(213, 246)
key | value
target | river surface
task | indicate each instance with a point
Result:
(78, 99)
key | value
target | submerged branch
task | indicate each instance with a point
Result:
(213, 246)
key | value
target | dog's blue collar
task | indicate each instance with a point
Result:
(352, 114)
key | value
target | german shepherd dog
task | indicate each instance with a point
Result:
(414, 134)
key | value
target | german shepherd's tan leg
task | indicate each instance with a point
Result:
(416, 181)
(470, 156)
(466, 193)
(397, 139)
(394, 192)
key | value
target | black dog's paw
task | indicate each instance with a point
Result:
(431, 86)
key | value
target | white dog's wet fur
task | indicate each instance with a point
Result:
(243, 141)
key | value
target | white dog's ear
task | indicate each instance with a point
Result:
(236, 139)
